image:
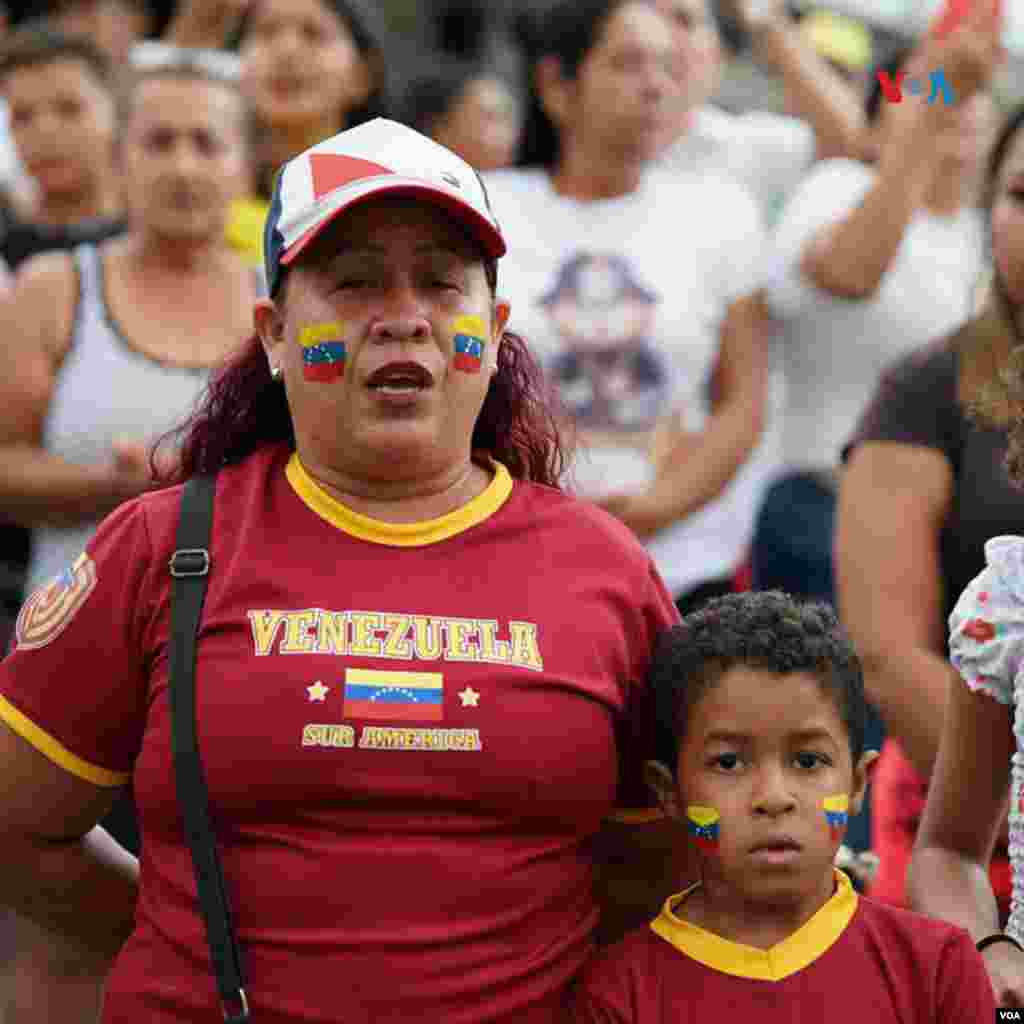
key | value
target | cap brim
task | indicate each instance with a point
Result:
(477, 225)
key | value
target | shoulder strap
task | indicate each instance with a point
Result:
(190, 567)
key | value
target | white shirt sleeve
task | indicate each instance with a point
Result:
(829, 193)
(742, 246)
(771, 153)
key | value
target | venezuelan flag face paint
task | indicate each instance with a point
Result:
(323, 352)
(837, 813)
(703, 823)
(470, 340)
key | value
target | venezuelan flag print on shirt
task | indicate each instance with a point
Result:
(394, 696)
(323, 352)
(469, 343)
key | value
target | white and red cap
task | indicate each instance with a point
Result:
(377, 158)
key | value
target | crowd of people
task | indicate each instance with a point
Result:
(682, 442)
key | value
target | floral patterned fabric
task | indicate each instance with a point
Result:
(986, 646)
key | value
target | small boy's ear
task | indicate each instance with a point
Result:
(862, 772)
(659, 779)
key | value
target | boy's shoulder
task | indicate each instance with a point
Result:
(622, 982)
(919, 936)
(923, 968)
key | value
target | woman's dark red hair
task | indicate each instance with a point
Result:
(244, 409)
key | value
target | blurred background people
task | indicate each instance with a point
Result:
(60, 96)
(114, 27)
(766, 152)
(870, 262)
(843, 43)
(923, 491)
(635, 288)
(468, 107)
(311, 68)
(61, 101)
(111, 346)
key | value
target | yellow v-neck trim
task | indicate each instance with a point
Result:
(402, 535)
(793, 954)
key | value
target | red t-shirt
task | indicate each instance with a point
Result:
(408, 731)
(855, 961)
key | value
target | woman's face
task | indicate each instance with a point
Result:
(184, 157)
(63, 123)
(698, 48)
(113, 26)
(387, 334)
(1008, 220)
(626, 93)
(300, 64)
(484, 125)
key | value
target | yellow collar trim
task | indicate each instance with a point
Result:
(402, 535)
(793, 954)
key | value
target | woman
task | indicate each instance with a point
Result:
(639, 292)
(979, 755)
(310, 69)
(922, 492)
(470, 108)
(870, 263)
(111, 345)
(411, 736)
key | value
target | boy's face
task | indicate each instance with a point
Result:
(63, 124)
(764, 752)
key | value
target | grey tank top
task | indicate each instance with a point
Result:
(105, 391)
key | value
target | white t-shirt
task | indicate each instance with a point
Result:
(621, 300)
(767, 153)
(834, 349)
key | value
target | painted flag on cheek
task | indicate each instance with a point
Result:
(323, 352)
(837, 814)
(470, 335)
(703, 824)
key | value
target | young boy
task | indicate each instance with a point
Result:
(761, 704)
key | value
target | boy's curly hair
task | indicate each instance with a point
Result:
(762, 630)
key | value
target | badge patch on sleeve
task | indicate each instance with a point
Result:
(47, 612)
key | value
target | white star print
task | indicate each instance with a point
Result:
(317, 691)
(469, 697)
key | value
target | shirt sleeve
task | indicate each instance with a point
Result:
(830, 192)
(603, 994)
(637, 729)
(915, 403)
(964, 990)
(74, 684)
(778, 150)
(986, 628)
(742, 247)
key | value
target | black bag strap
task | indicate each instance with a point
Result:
(190, 567)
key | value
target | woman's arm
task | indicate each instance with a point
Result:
(893, 500)
(57, 867)
(948, 874)
(38, 488)
(816, 92)
(849, 258)
(696, 468)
